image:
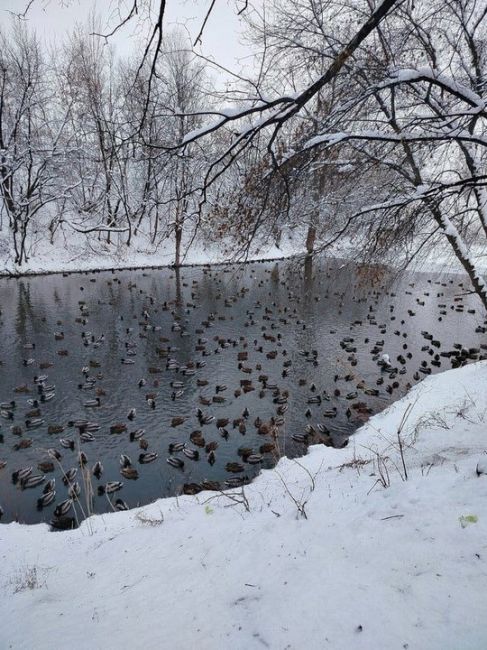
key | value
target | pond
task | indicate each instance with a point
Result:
(262, 359)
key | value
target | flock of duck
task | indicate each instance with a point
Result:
(67, 481)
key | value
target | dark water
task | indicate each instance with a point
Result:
(300, 313)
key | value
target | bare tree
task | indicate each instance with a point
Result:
(31, 136)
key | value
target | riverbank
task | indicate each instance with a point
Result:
(336, 549)
(76, 256)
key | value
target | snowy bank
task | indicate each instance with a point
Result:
(334, 550)
(75, 254)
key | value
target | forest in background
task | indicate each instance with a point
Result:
(362, 120)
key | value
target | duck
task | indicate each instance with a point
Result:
(32, 481)
(63, 508)
(147, 457)
(63, 523)
(176, 446)
(74, 490)
(254, 459)
(129, 472)
(110, 487)
(121, 505)
(175, 462)
(46, 466)
(46, 499)
(192, 454)
(191, 488)
(67, 443)
(21, 474)
(136, 435)
(25, 443)
(234, 467)
(118, 428)
(125, 460)
(55, 428)
(92, 403)
(131, 414)
(70, 475)
(97, 470)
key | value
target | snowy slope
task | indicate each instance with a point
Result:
(367, 568)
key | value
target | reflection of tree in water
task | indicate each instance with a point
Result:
(25, 311)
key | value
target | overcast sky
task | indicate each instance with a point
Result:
(221, 39)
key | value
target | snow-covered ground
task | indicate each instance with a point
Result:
(77, 253)
(334, 550)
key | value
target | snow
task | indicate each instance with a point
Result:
(410, 75)
(76, 253)
(369, 566)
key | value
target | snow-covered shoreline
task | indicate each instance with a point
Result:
(316, 553)
(73, 257)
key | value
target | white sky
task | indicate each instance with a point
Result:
(221, 39)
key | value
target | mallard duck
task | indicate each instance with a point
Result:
(74, 490)
(46, 466)
(110, 487)
(191, 488)
(121, 505)
(63, 523)
(21, 474)
(254, 459)
(125, 460)
(210, 485)
(148, 457)
(192, 454)
(131, 414)
(176, 446)
(234, 467)
(55, 428)
(46, 499)
(32, 481)
(25, 443)
(176, 421)
(97, 469)
(70, 475)
(63, 508)
(136, 435)
(118, 428)
(92, 403)
(196, 437)
(175, 462)
(49, 486)
(129, 473)
(236, 481)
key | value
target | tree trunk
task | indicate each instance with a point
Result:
(310, 241)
